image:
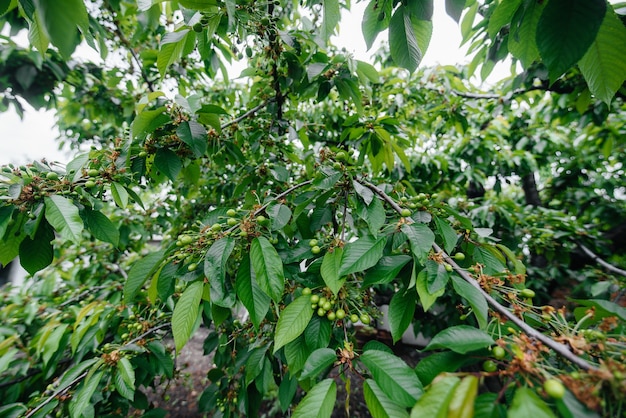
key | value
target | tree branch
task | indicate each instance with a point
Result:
(559, 348)
(603, 263)
(248, 113)
(128, 46)
(56, 393)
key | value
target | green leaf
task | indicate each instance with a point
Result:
(473, 296)
(101, 227)
(332, 15)
(502, 16)
(401, 310)
(375, 217)
(378, 404)
(286, 392)
(147, 121)
(423, 30)
(421, 239)
(267, 267)
(139, 272)
(194, 135)
(566, 30)
(361, 254)
(427, 299)
(122, 388)
(296, 353)
(120, 195)
(215, 262)
(6, 214)
(526, 404)
(50, 341)
(434, 403)
(163, 357)
(127, 374)
(73, 372)
(366, 194)
(447, 233)
(186, 313)
(393, 376)
(375, 20)
(82, 397)
(386, 269)
(460, 339)
(367, 71)
(319, 402)
(326, 180)
(570, 407)
(37, 34)
(522, 43)
(172, 45)
(446, 361)
(168, 163)
(254, 364)
(198, 4)
(37, 253)
(454, 8)
(462, 402)
(604, 64)
(602, 308)
(437, 277)
(318, 362)
(61, 18)
(349, 90)
(403, 45)
(10, 243)
(292, 321)
(330, 270)
(489, 259)
(251, 295)
(519, 267)
(279, 214)
(486, 405)
(317, 333)
(63, 215)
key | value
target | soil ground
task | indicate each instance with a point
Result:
(179, 396)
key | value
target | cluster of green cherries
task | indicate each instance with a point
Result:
(325, 307)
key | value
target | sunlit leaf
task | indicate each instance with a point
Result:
(292, 321)
(185, 314)
(460, 339)
(396, 379)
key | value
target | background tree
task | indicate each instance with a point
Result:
(307, 194)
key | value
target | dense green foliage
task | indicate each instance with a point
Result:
(283, 209)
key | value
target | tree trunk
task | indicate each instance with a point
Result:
(531, 194)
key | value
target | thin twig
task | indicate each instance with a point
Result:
(128, 46)
(603, 263)
(559, 348)
(248, 113)
(283, 194)
(148, 332)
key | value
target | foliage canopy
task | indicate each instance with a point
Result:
(282, 210)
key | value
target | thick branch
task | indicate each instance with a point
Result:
(603, 263)
(530, 331)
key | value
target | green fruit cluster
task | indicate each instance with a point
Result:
(329, 307)
(315, 249)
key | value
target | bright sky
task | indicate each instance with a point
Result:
(33, 138)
